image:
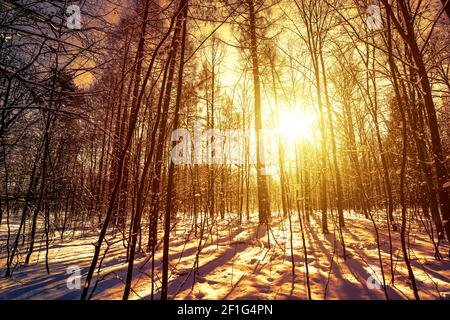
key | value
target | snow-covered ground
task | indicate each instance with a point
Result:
(237, 262)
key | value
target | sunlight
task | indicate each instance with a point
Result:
(296, 125)
(224, 150)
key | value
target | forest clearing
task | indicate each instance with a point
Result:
(237, 263)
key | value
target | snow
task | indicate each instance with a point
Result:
(237, 262)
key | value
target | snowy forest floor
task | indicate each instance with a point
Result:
(237, 262)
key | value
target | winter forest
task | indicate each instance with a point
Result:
(225, 149)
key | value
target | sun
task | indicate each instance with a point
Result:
(296, 125)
